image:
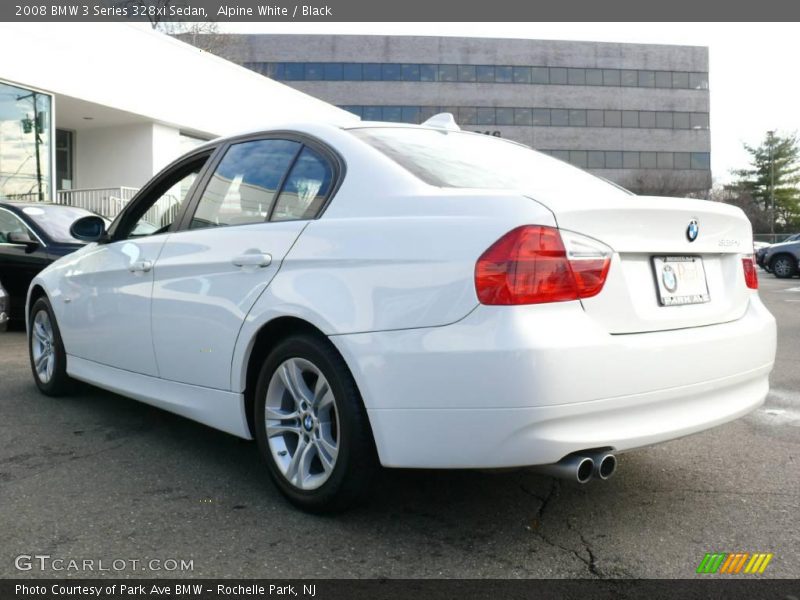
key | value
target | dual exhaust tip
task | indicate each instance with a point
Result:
(582, 466)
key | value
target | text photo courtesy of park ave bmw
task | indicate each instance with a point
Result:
(353, 302)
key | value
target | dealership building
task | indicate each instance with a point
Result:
(637, 114)
(90, 112)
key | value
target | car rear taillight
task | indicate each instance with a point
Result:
(750, 274)
(535, 264)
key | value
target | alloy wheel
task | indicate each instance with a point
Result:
(302, 423)
(782, 267)
(43, 346)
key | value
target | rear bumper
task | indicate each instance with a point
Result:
(516, 386)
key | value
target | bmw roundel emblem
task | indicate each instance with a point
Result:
(669, 279)
(692, 230)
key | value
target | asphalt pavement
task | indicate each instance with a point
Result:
(99, 477)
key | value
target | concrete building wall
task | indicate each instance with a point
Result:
(125, 155)
(255, 50)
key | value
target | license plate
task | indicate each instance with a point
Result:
(681, 280)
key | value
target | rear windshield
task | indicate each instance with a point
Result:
(468, 160)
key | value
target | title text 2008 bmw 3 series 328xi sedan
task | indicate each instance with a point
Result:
(409, 296)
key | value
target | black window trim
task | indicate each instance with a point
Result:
(335, 161)
(141, 202)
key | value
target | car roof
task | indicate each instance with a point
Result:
(311, 127)
(28, 203)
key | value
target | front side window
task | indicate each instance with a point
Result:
(306, 189)
(157, 213)
(245, 183)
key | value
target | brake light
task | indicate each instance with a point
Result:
(750, 274)
(535, 264)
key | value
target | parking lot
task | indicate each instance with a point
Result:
(97, 476)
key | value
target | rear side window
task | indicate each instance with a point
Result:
(245, 183)
(306, 189)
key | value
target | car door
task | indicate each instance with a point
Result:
(107, 288)
(18, 264)
(231, 245)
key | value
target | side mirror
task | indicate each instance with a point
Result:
(24, 239)
(88, 229)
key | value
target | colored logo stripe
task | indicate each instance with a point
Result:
(732, 563)
(711, 562)
(758, 563)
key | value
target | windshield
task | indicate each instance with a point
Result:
(56, 220)
(467, 160)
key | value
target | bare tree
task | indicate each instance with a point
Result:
(201, 34)
(736, 196)
(654, 183)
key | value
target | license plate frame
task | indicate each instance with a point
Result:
(681, 280)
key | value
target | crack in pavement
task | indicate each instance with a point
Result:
(536, 528)
(592, 563)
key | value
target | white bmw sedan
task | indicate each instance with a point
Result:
(409, 296)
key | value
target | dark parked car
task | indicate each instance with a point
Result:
(783, 260)
(3, 308)
(32, 235)
(761, 253)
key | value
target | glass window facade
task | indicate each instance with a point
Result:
(410, 72)
(594, 118)
(647, 119)
(485, 74)
(540, 75)
(615, 159)
(65, 150)
(486, 115)
(504, 116)
(523, 116)
(577, 118)
(467, 73)
(26, 138)
(524, 74)
(594, 77)
(431, 73)
(559, 117)
(539, 117)
(576, 76)
(558, 75)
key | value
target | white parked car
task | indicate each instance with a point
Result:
(410, 296)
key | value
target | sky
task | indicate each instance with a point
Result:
(753, 73)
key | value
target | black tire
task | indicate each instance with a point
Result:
(356, 462)
(783, 266)
(59, 383)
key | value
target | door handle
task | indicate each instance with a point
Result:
(141, 266)
(253, 258)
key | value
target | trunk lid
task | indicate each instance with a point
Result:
(641, 229)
